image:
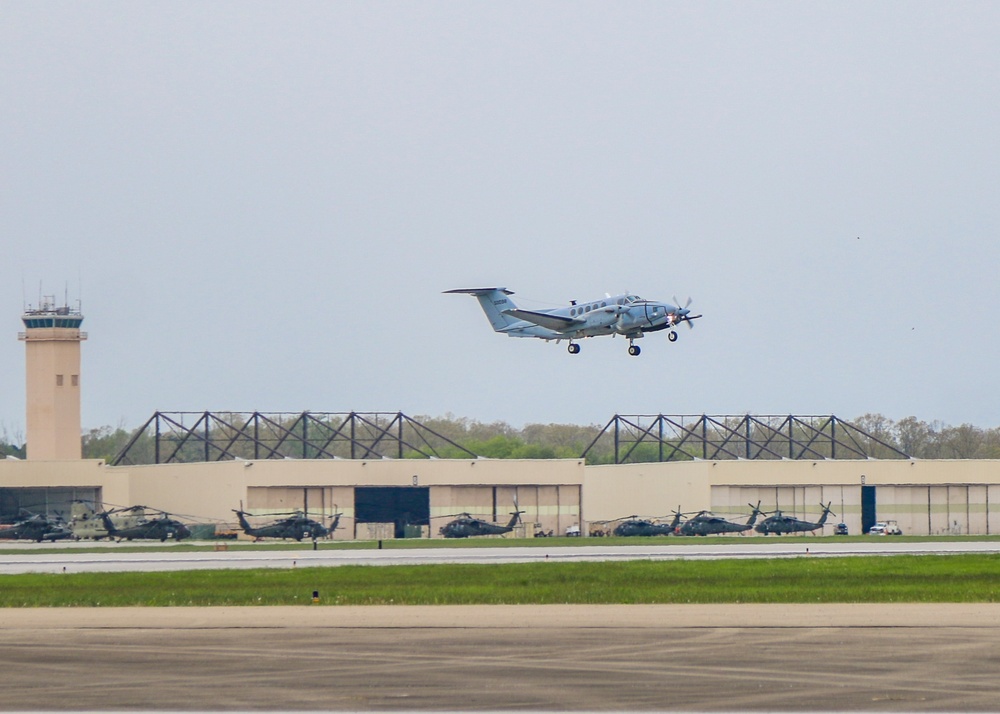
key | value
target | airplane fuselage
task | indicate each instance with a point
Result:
(627, 315)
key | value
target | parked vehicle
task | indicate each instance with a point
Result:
(885, 528)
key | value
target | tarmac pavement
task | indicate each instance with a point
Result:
(581, 658)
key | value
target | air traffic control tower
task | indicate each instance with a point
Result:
(52, 340)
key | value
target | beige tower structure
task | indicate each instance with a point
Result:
(52, 340)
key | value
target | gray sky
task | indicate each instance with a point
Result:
(260, 203)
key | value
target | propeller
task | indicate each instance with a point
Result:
(683, 314)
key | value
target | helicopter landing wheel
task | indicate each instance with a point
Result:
(672, 336)
(634, 350)
(573, 349)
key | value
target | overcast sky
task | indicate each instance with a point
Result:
(260, 204)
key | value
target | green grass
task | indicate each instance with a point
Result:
(897, 579)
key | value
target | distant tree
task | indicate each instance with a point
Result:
(961, 442)
(913, 436)
(104, 442)
(12, 444)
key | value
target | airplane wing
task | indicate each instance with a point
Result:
(544, 319)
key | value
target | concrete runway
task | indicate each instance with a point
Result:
(34, 558)
(583, 658)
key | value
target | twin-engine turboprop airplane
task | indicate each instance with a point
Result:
(628, 315)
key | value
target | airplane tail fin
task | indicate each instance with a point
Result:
(493, 301)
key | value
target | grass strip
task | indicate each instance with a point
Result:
(897, 579)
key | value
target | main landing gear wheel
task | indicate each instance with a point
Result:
(672, 336)
(573, 348)
(634, 350)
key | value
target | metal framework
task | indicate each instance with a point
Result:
(650, 438)
(183, 437)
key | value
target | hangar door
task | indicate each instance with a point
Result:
(402, 506)
(53, 501)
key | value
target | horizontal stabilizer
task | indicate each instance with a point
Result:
(480, 291)
(544, 319)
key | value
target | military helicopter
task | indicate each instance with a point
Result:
(778, 523)
(635, 526)
(296, 525)
(706, 523)
(467, 526)
(36, 527)
(143, 528)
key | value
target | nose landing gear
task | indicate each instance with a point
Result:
(573, 348)
(633, 349)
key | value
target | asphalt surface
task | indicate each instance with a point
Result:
(548, 658)
(34, 558)
(552, 658)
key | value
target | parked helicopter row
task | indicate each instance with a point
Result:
(132, 523)
(704, 523)
(137, 523)
(700, 523)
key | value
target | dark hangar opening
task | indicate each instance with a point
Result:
(869, 508)
(402, 506)
(46, 500)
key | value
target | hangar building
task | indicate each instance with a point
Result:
(390, 482)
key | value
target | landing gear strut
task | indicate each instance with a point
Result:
(573, 348)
